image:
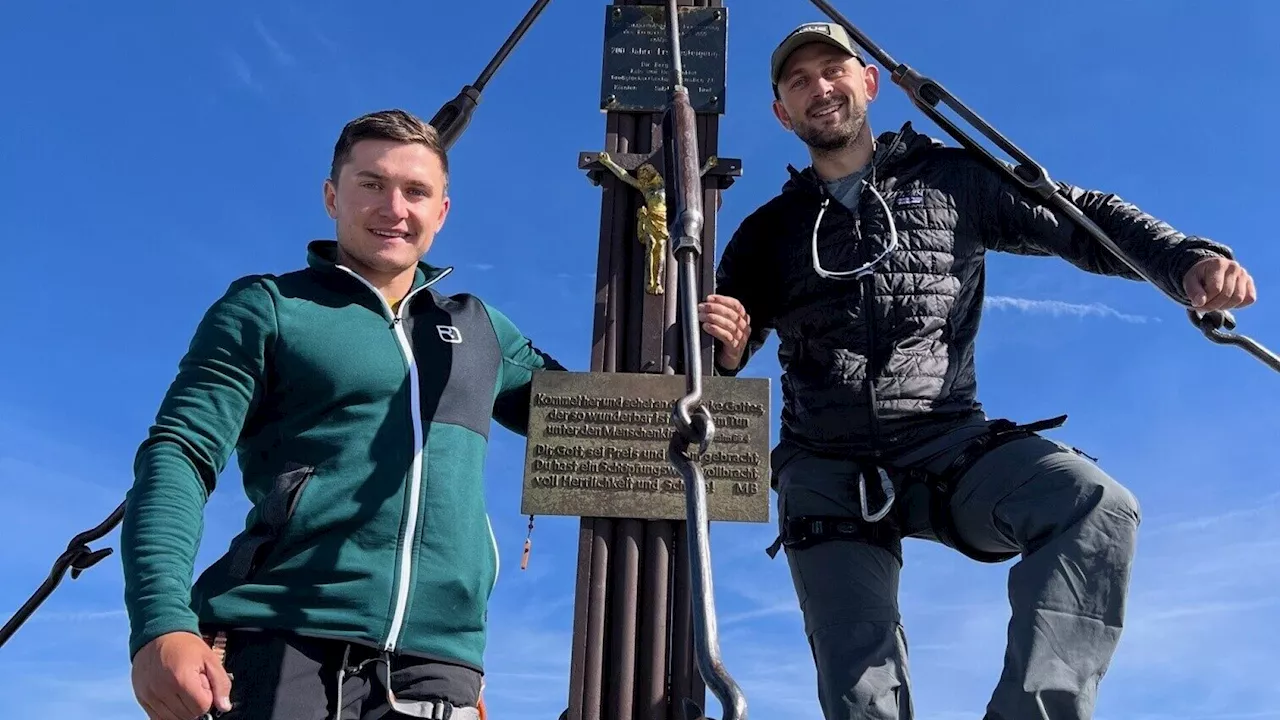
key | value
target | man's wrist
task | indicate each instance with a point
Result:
(1183, 268)
(161, 626)
(728, 361)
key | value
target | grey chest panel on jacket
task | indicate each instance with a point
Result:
(458, 359)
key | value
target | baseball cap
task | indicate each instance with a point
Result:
(829, 33)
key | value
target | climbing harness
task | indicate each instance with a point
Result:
(926, 93)
(942, 486)
(420, 709)
(694, 424)
(884, 529)
(805, 531)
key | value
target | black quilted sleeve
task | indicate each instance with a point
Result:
(1023, 225)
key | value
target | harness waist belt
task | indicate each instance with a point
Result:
(423, 709)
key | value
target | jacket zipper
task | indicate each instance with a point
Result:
(869, 321)
(497, 556)
(409, 539)
(868, 308)
(868, 283)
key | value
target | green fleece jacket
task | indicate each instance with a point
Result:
(361, 436)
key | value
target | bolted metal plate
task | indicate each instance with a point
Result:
(637, 71)
(597, 447)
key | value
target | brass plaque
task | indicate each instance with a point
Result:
(636, 76)
(597, 447)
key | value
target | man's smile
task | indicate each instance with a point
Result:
(825, 109)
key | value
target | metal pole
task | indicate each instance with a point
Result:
(693, 422)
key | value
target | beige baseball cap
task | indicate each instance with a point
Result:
(829, 33)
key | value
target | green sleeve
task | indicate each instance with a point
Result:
(520, 360)
(218, 384)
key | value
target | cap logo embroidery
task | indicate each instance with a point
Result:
(816, 27)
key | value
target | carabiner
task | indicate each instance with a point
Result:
(886, 485)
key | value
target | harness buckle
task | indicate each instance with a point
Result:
(806, 531)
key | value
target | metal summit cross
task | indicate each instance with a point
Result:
(599, 441)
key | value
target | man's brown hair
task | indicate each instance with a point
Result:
(397, 125)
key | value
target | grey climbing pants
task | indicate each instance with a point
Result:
(1074, 527)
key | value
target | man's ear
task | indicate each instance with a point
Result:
(871, 78)
(444, 212)
(330, 198)
(780, 112)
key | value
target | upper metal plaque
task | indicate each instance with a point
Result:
(637, 72)
(597, 447)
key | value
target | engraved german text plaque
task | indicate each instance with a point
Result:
(597, 447)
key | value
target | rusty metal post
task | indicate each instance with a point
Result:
(632, 655)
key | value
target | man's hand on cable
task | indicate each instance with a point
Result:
(1219, 284)
(177, 676)
(724, 319)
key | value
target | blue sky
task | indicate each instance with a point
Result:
(153, 152)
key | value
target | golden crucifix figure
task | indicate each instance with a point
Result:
(651, 219)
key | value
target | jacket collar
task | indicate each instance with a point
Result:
(892, 148)
(323, 255)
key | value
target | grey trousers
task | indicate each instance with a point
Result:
(1074, 527)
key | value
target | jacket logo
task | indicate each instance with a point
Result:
(912, 197)
(449, 334)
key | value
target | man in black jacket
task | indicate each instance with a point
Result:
(869, 266)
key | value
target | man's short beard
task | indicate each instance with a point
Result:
(843, 136)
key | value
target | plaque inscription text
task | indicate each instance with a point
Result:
(636, 75)
(597, 447)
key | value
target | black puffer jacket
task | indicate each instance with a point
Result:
(913, 322)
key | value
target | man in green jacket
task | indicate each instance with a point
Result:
(358, 400)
